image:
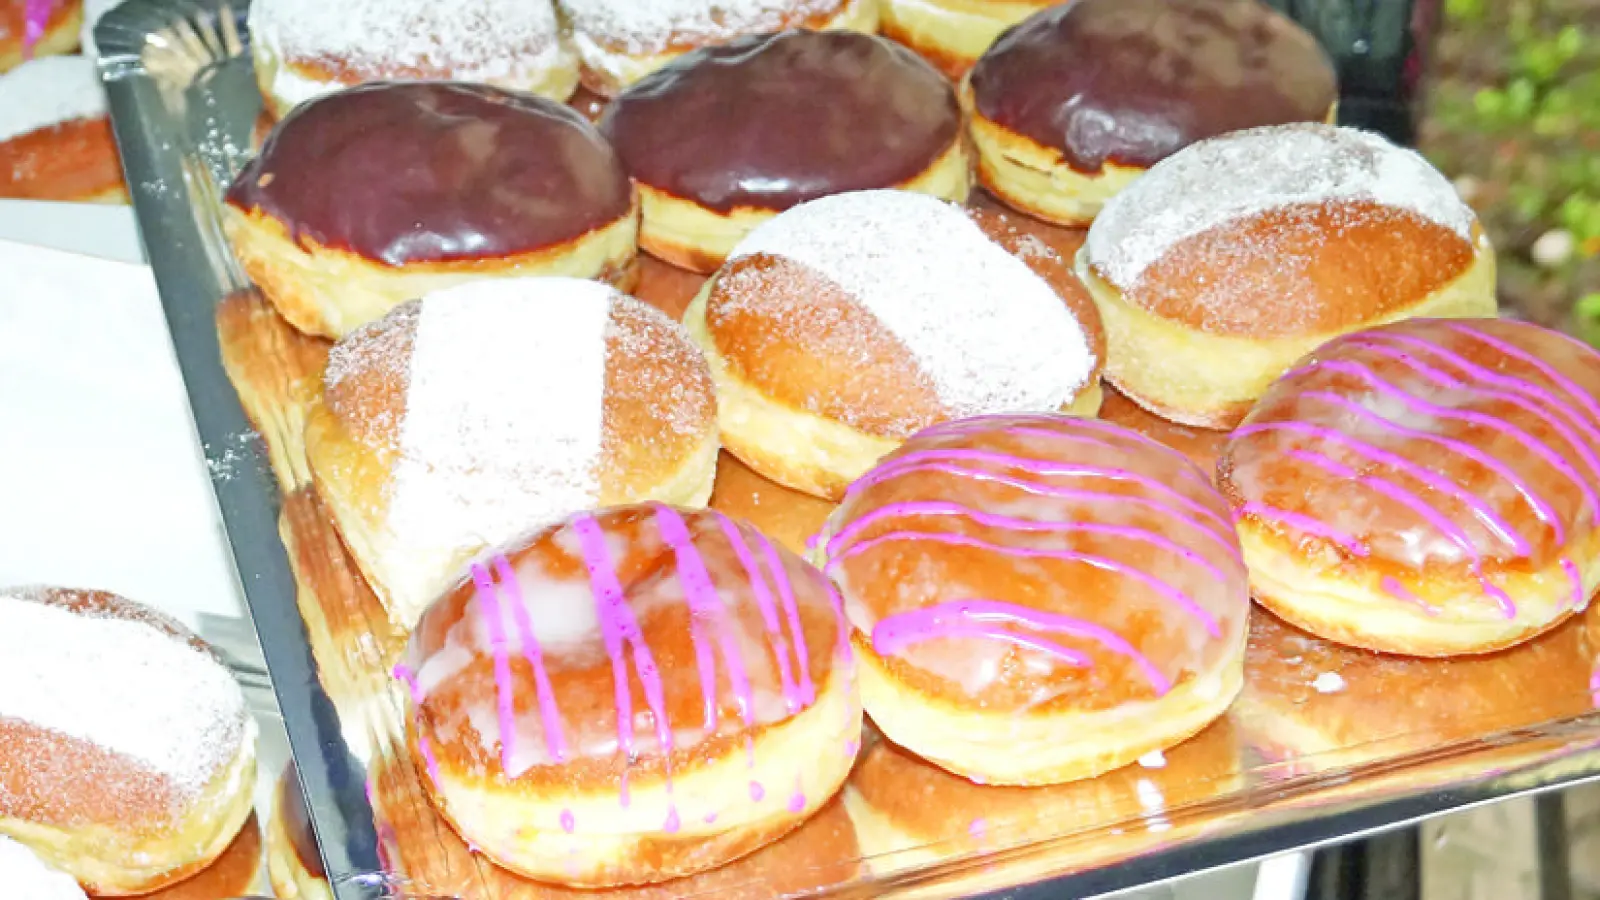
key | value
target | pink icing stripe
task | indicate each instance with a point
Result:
(793, 698)
(549, 713)
(1486, 515)
(941, 508)
(505, 706)
(35, 22)
(1575, 578)
(1309, 525)
(409, 679)
(1394, 588)
(1567, 385)
(791, 612)
(985, 618)
(979, 424)
(1100, 562)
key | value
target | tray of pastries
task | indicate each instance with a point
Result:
(1006, 441)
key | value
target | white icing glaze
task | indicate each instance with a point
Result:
(1217, 181)
(27, 877)
(990, 334)
(1328, 683)
(122, 685)
(646, 26)
(49, 91)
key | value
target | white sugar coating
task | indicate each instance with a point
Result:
(504, 411)
(122, 685)
(1223, 179)
(27, 877)
(987, 331)
(49, 91)
(643, 26)
(473, 39)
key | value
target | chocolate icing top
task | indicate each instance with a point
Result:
(771, 121)
(1132, 81)
(297, 825)
(405, 172)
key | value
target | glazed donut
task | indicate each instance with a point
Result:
(465, 418)
(622, 41)
(304, 49)
(531, 679)
(1238, 255)
(953, 34)
(496, 185)
(725, 137)
(1071, 105)
(1038, 599)
(27, 875)
(847, 323)
(1425, 488)
(294, 864)
(127, 756)
(22, 39)
(55, 139)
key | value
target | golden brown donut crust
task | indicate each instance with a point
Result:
(60, 35)
(73, 161)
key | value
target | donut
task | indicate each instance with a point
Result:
(495, 184)
(632, 695)
(30, 29)
(953, 34)
(294, 863)
(127, 755)
(1075, 102)
(1238, 255)
(236, 873)
(1426, 488)
(842, 326)
(465, 418)
(725, 137)
(304, 49)
(1038, 599)
(622, 41)
(27, 875)
(55, 138)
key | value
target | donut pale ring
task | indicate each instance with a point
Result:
(622, 41)
(127, 756)
(847, 323)
(496, 184)
(1238, 255)
(725, 137)
(1426, 487)
(59, 34)
(1039, 599)
(294, 864)
(1075, 102)
(467, 418)
(952, 34)
(55, 139)
(535, 682)
(304, 49)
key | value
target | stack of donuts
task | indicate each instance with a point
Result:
(1023, 384)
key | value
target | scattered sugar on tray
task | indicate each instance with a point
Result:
(49, 91)
(647, 26)
(1329, 683)
(121, 684)
(990, 334)
(28, 877)
(1239, 175)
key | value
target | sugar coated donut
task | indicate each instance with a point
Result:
(725, 137)
(1426, 488)
(127, 755)
(632, 695)
(496, 184)
(30, 29)
(305, 49)
(845, 324)
(470, 416)
(621, 41)
(1074, 103)
(55, 139)
(31, 878)
(1039, 599)
(1238, 255)
(952, 34)
(294, 864)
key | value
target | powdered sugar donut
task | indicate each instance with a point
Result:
(306, 48)
(621, 41)
(30, 29)
(1236, 256)
(29, 877)
(55, 138)
(479, 412)
(127, 755)
(845, 324)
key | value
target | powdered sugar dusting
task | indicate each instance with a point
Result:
(990, 334)
(647, 26)
(121, 684)
(27, 877)
(1238, 175)
(49, 91)
(471, 39)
